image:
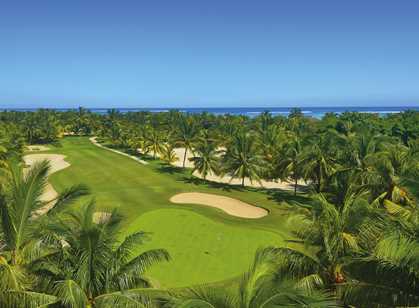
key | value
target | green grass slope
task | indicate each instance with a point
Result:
(206, 244)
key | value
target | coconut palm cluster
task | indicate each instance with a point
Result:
(354, 218)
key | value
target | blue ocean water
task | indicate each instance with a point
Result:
(316, 112)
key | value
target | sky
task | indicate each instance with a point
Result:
(208, 53)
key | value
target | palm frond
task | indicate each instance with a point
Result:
(126, 248)
(68, 196)
(128, 298)
(145, 260)
(203, 297)
(26, 299)
(70, 294)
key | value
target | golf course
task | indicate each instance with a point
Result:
(206, 244)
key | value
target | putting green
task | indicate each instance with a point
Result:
(202, 250)
(206, 244)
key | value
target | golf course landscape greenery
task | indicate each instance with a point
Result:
(171, 209)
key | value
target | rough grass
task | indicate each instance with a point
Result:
(206, 244)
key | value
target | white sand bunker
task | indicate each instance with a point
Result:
(57, 163)
(229, 205)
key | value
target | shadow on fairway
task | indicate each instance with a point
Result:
(169, 169)
(198, 181)
(286, 196)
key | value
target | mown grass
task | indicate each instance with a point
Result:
(206, 244)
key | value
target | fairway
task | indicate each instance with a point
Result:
(206, 244)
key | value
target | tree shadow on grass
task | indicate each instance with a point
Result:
(290, 203)
(223, 186)
(279, 195)
(169, 169)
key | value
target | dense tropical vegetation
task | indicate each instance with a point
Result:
(357, 225)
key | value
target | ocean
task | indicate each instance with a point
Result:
(316, 112)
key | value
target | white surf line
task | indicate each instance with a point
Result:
(93, 140)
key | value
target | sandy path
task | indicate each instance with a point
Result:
(93, 140)
(227, 179)
(57, 163)
(37, 148)
(264, 184)
(229, 205)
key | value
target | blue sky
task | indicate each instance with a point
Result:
(208, 53)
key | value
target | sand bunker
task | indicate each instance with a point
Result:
(57, 163)
(229, 205)
(93, 140)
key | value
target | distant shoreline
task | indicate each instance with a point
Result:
(315, 112)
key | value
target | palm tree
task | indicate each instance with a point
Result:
(333, 231)
(288, 164)
(318, 162)
(270, 141)
(136, 141)
(241, 159)
(20, 203)
(259, 287)
(385, 271)
(168, 155)
(30, 127)
(206, 160)
(386, 276)
(387, 170)
(12, 143)
(357, 151)
(154, 141)
(96, 269)
(187, 132)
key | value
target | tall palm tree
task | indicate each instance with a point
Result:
(270, 140)
(333, 231)
(187, 132)
(259, 287)
(168, 155)
(318, 161)
(154, 141)
(30, 127)
(206, 160)
(96, 269)
(288, 162)
(242, 159)
(20, 202)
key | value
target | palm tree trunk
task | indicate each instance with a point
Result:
(184, 157)
(295, 186)
(319, 179)
(13, 257)
(242, 181)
